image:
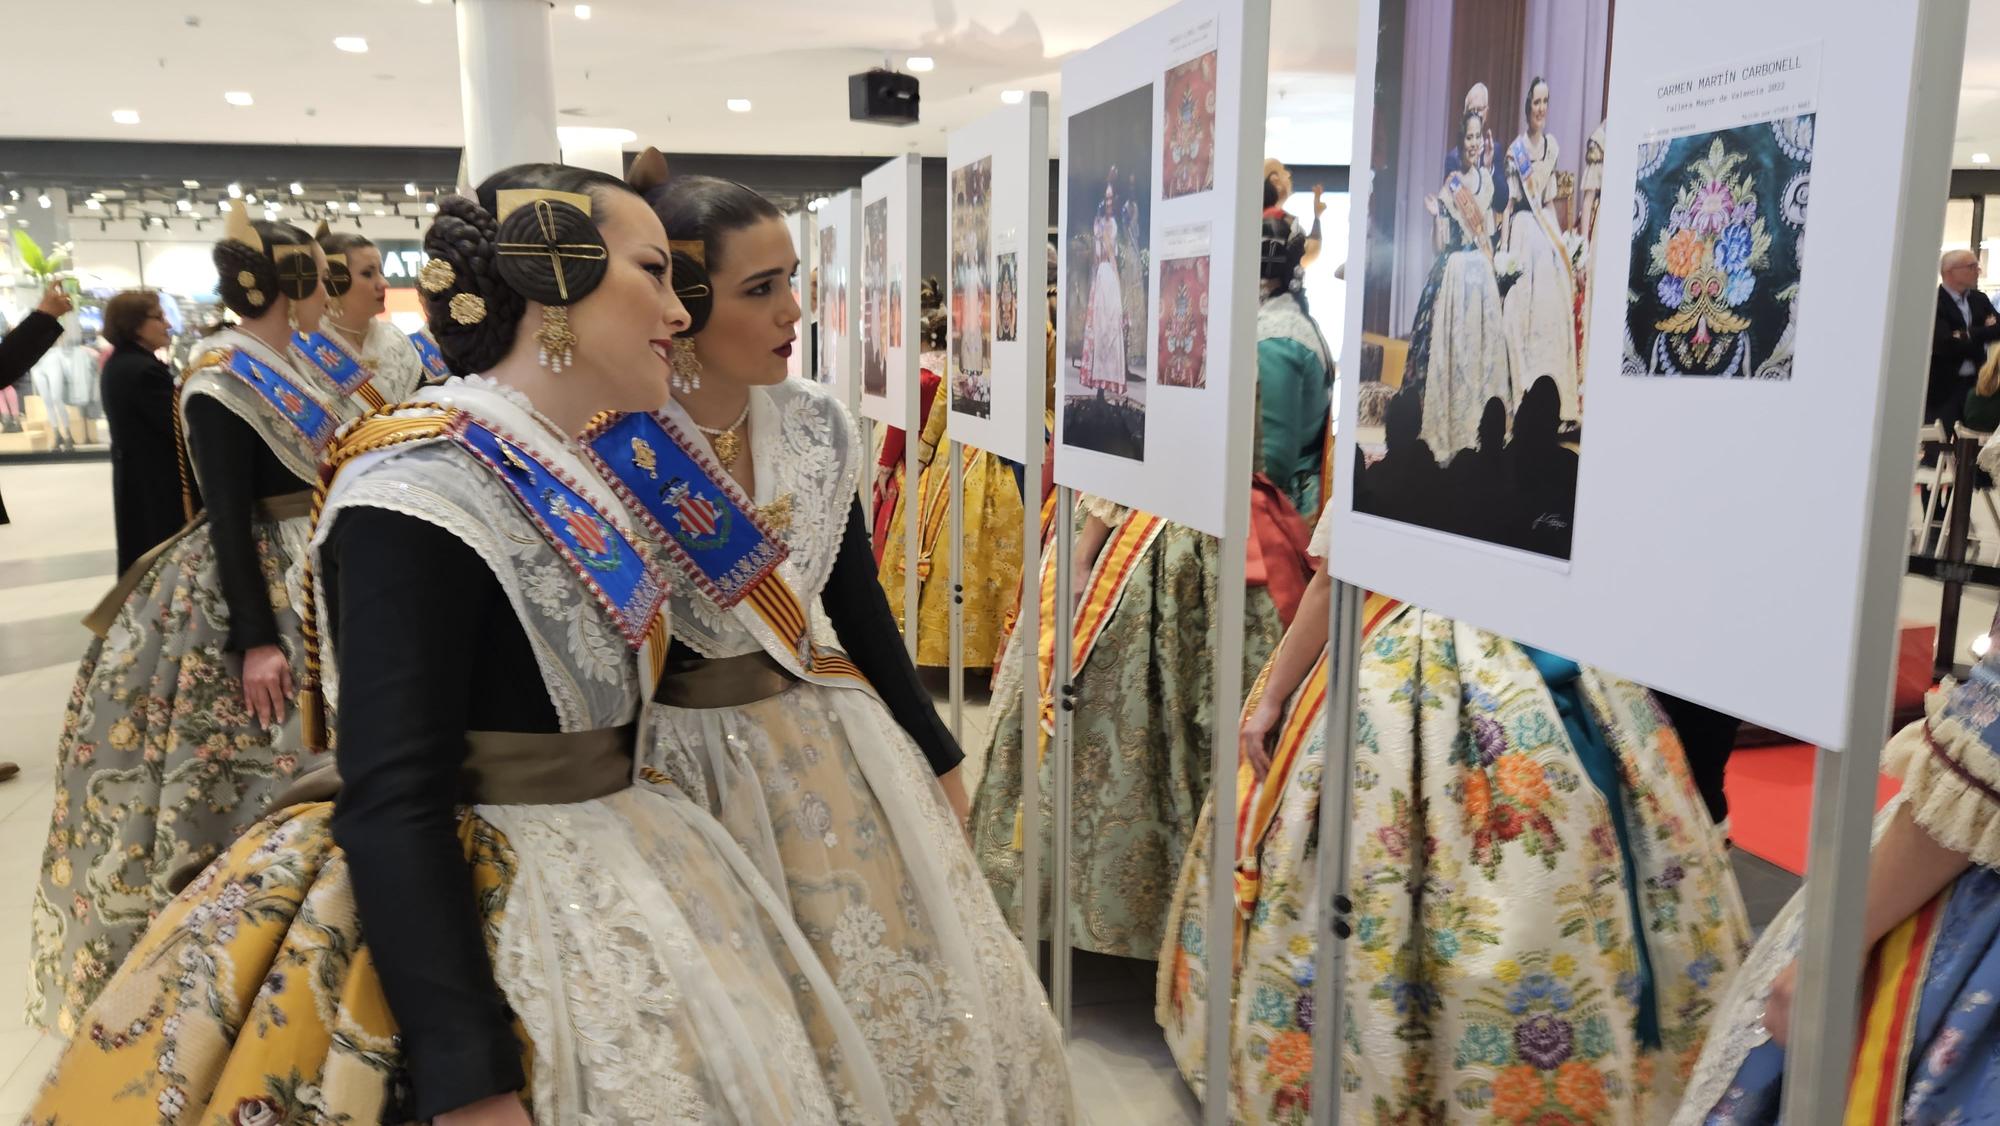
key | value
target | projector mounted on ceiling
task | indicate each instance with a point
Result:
(882, 96)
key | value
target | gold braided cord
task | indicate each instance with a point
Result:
(376, 430)
(183, 458)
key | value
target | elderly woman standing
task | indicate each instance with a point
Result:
(138, 390)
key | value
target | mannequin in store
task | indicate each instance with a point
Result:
(1926, 1033)
(830, 768)
(1144, 646)
(138, 390)
(516, 929)
(1544, 917)
(181, 724)
(991, 556)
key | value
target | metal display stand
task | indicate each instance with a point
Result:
(955, 665)
(1060, 954)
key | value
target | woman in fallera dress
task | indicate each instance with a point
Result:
(1541, 306)
(546, 940)
(1544, 916)
(1104, 328)
(824, 762)
(180, 725)
(357, 296)
(1461, 347)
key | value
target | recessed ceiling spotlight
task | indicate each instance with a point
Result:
(920, 64)
(410, 189)
(223, 206)
(250, 200)
(125, 116)
(239, 98)
(93, 205)
(739, 105)
(333, 205)
(14, 194)
(431, 208)
(235, 191)
(352, 44)
(99, 196)
(381, 211)
(44, 200)
(191, 185)
(12, 209)
(583, 11)
(1982, 158)
(354, 207)
(298, 188)
(184, 205)
(1013, 97)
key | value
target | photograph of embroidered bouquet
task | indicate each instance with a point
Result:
(1719, 223)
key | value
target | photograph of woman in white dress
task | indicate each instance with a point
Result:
(1542, 305)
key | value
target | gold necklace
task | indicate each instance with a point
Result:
(728, 441)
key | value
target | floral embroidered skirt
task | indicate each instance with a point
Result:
(652, 973)
(160, 764)
(1492, 975)
(827, 794)
(991, 559)
(1141, 738)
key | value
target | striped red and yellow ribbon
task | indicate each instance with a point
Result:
(1890, 993)
(774, 601)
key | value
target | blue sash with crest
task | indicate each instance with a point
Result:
(334, 361)
(692, 508)
(437, 371)
(305, 414)
(595, 549)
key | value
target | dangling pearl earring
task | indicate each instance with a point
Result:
(687, 369)
(558, 343)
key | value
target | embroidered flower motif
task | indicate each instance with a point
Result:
(1290, 1057)
(1544, 1041)
(1581, 1088)
(256, 1112)
(1517, 1093)
(1522, 779)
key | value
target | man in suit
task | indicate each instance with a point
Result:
(1966, 325)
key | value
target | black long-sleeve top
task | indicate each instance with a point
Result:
(138, 394)
(25, 344)
(237, 470)
(433, 661)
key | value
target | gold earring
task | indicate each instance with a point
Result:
(687, 368)
(558, 343)
(335, 309)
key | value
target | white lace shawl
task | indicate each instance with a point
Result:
(591, 674)
(399, 371)
(806, 448)
(243, 401)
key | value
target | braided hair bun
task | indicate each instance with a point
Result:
(474, 295)
(249, 279)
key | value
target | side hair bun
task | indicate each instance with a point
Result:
(551, 252)
(464, 237)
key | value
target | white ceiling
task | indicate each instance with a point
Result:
(662, 68)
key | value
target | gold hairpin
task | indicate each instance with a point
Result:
(555, 252)
(509, 200)
(693, 248)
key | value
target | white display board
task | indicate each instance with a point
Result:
(838, 307)
(1721, 522)
(1157, 201)
(890, 237)
(800, 224)
(996, 232)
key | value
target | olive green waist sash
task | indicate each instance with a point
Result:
(515, 768)
(286, 506)
(723, 682)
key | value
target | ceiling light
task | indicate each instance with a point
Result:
(93, 205)
(125, 116)
(44, 200)
(273, 205)
(431, 208)
(235, 191)
(14, 194)
(270, 215)
(239, 98)
(298, 188)
(410, 189)
(1013, 97)
(354, 207)
(11, 209)
(739, 105)
(99, 196)
(333, 205)
(583, 11)
(381, 211)
(1982, 158)
(352, 44)
(223, 206)
(184, 205)
(920, 64)
(191, 185)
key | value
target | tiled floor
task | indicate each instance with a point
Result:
(56, 560)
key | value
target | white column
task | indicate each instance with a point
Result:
(506, 83)
(602, 150)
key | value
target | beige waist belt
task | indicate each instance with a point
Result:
(723, 682)
(286, 506)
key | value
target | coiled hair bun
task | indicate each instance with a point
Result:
(475, 296)
(248, 278)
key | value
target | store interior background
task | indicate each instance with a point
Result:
(369, 139)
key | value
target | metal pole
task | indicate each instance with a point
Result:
(1059, 766)
(1336, 804)
(1964, 457)
(956, 664)
(1818, 1067)
(1028, 623)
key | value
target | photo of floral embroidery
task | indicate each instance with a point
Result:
(1187, 151)
(1008, 326)
(1717, 247)
(875, 298)
(971, 284)
(1184, 322)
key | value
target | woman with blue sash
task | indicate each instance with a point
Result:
(503, 918)
(790, 706)
(353, 331)
(1928, 1032)
(180, 726)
